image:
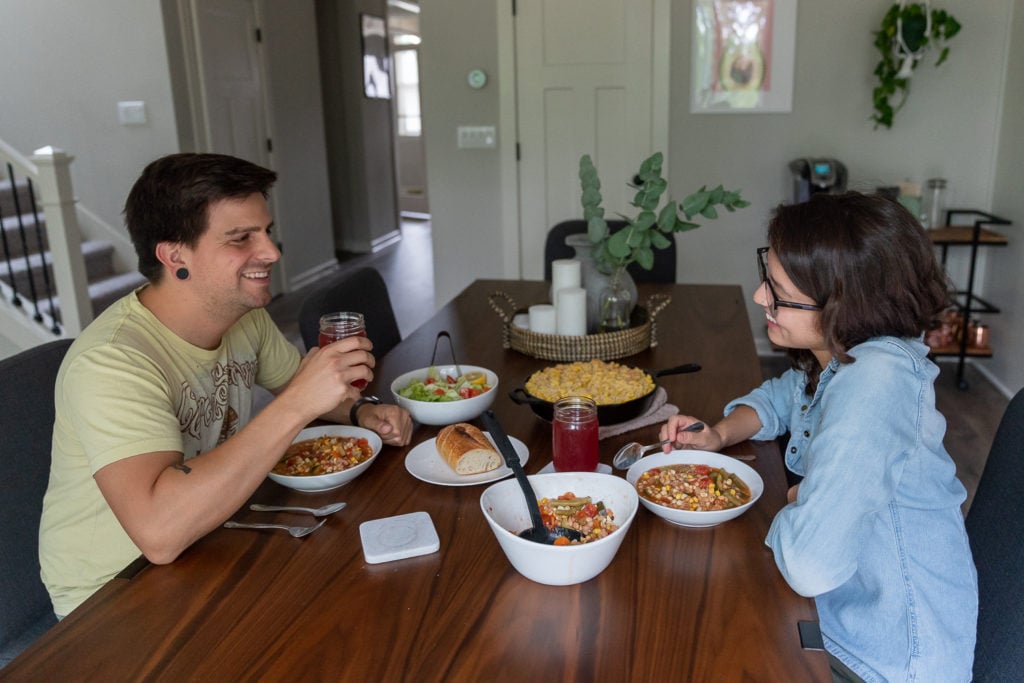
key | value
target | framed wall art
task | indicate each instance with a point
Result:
(743, 56)
(376, 60)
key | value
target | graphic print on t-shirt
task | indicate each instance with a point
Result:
(199, 408)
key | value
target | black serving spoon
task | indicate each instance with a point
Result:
(538, 532)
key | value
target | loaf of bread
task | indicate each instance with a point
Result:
(466, 449)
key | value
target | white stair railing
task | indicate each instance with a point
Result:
(49, 173)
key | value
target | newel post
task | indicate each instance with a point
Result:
(65, 238)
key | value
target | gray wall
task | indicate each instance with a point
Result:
(359, 131)
(949, 127)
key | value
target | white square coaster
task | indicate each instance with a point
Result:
(398, 537)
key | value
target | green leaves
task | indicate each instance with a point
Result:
(651, 228)
(916, 38)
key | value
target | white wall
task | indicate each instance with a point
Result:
(1005, 277)
(464, 185)
(66, 66)
(76, 60)
(949, 127)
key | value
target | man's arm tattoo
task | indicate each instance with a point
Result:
(183, 467)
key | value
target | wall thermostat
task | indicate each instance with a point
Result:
(477, 79)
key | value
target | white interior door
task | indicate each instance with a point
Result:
(231, 85)
(586, 73)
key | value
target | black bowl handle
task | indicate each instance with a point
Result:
(677, 370)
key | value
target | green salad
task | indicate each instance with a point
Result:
(438, 388)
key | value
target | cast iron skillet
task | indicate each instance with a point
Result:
(606, 414)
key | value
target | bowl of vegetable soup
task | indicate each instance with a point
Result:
(324, 458)
(695, 488)
(600, 506)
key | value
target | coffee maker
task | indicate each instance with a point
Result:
(814, 175)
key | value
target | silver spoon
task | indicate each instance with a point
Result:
(296, 531)
(632, 452)
(322, 511)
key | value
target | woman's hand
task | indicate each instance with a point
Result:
(707, 439)
(791, 493)
(393, 423)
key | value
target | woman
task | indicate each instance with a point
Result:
(874, 531)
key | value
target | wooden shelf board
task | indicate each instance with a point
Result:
(964, 234)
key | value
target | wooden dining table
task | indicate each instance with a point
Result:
(675, 604)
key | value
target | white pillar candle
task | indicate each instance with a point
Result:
(564, 273)
(522, 320)
(542, 318)
(571, 311)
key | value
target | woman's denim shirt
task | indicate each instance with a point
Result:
(876, 534)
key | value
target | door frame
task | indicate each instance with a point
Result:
(198, 137)
(511, 230)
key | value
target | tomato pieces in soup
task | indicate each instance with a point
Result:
(323, 455)
(698, 488)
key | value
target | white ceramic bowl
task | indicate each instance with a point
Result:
(504, 507)
(687, 457)
(326, 482)
(448, 412)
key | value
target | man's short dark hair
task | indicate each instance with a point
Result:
(170, 200)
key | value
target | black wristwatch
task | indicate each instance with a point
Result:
(358, 404)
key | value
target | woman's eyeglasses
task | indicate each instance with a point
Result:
(774, 301)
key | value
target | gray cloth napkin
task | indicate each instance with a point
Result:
(659, 411)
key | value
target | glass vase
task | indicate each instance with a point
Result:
(595, 281)
(616, 302)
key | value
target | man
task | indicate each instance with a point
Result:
(154, 443)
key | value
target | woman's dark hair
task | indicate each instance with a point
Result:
(866, 260)
(170, 200)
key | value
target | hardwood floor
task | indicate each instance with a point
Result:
(972, 416)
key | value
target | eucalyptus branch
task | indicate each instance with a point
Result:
(651, 228)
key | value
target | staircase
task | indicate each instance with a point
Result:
(39, 263)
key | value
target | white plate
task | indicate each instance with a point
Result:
(426, 464)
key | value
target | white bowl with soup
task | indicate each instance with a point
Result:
(504, 508)
(324, 458)
(675, 486)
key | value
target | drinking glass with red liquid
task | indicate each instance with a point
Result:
(335, 326)
(574, 435)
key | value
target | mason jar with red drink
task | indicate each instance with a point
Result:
(574, 435)
(335, 326)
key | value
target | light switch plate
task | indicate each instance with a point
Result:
(131, 113)
(477, 137)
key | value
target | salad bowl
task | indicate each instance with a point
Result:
(445, 394)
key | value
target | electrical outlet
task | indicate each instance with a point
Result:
(477, 137)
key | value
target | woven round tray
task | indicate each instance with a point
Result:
(640, 335)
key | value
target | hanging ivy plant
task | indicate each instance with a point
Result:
(908, 30)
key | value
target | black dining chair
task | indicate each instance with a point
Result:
(363, 291)
(995, 526)
(663, 272)
(26, 425)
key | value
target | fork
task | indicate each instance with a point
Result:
(316, 512)
(296, 531)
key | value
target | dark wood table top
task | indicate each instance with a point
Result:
(676, 604)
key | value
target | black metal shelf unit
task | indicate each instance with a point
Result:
(973, 236)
